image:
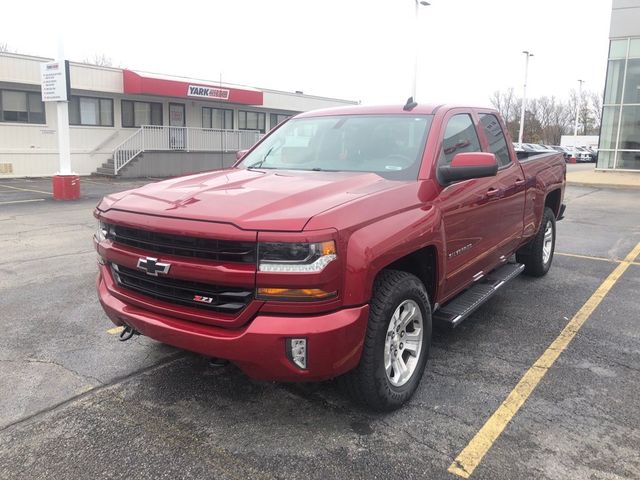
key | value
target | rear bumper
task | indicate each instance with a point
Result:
(334, 340)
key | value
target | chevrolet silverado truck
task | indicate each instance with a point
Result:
(333, 244)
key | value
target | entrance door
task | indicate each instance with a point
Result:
(177, 126)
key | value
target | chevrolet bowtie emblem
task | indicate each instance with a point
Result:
(151, 266)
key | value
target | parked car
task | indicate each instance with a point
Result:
(566, 153)
(333, 244)
(580, 153)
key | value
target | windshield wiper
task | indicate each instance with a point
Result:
(259, 163)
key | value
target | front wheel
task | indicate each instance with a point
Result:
(538, 255)
(396, 345)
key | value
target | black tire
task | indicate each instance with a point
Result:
(532, 255)
(368, 384)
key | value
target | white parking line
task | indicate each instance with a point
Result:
(25, 189)
(23, 201)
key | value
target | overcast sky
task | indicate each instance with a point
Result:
(353, 49)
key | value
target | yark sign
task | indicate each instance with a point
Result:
(207, 92)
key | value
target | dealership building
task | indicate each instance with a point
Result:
(619, 146)
(133, 123)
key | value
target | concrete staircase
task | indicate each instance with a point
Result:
(106, 169)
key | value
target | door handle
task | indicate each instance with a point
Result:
(519, 181)
(492, 192)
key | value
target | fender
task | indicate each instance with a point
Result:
(371, 248)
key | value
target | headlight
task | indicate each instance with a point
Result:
(102, 231)
(295, 257)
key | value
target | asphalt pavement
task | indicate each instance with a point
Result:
(76, 403)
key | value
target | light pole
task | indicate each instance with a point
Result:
(416, 46)
(575, 128)
(524, 94)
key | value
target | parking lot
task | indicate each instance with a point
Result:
(76, 403)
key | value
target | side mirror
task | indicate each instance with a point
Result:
(467, 165)
(240, 154)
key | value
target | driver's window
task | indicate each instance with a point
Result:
(459, 136)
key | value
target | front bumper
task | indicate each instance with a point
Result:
(334, 340)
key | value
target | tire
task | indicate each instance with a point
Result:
(369, 383)
(538, 254)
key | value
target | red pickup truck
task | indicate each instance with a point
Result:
(333, 244)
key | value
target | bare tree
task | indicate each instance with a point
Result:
(99, 59)
(595, 99)
(504, 102)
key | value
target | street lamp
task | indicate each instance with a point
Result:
(524, 94)
(575, 128)
(415, 42)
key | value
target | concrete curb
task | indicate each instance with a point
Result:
(601, 185)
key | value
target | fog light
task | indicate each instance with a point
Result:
(297, 351)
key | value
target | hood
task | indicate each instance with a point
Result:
(283, 200)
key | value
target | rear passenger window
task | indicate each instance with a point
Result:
(459, 136)
(495, 137)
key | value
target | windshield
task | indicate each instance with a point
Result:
(389, 145)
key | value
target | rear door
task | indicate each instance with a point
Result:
(510, 183)
(470, 209)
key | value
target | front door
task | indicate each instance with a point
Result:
(470, 211)
(177, 126)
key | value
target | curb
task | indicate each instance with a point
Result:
(601, 185)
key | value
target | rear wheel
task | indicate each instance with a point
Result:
(396, 345)
(538, 255)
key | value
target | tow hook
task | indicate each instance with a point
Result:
(127, 333)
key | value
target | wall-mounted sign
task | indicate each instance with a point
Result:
(54, 78)
(207, 92)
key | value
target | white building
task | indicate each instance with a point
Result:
(133, 122)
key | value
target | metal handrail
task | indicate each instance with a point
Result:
(185, 139)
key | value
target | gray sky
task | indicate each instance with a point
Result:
(354, 49)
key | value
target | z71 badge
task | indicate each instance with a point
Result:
(201, 299)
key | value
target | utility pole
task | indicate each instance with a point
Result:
(416, 45)
(524, 94)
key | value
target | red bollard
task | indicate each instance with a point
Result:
(66, 187)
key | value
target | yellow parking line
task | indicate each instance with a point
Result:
(25, 189)
(588, 257)
(466, 462)
(115, 330)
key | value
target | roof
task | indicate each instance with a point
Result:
(420, 109)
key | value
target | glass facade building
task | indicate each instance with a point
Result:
(619, 146)
(620, 132)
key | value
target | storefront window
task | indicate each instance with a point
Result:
(21, 107)
(136, 114)
(632, 82)
(251, 121)
(618, 49)
(219, 118)
(629, 160)
(615, 76)
(609, 127)
(276, 118)
(634, 48)
(630, 128)
(605, 159)
(91, 111)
